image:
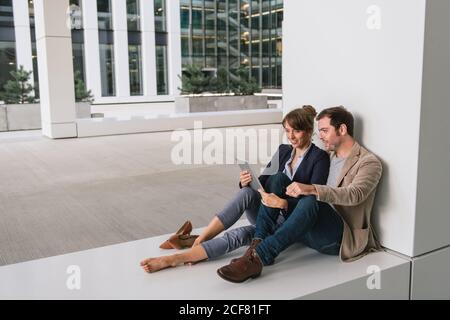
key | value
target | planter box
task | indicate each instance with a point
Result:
(219, 103)
(23, 116)
(28, 116)
(3, 122)
(83, 109)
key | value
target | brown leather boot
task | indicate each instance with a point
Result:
(243, 268)
(253, 245)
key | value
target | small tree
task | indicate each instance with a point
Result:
(244, 85)
(81, 94)
(194, 80)
(219, 83)
(18, 90)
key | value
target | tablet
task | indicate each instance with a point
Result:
(255, 184)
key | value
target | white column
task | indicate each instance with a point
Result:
(148, 47)
(174, 45)
(54, 48)
(122, 73)
(91, 48)
(24, 51)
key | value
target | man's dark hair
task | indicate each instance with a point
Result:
(338, 116)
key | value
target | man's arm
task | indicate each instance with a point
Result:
(364, 182)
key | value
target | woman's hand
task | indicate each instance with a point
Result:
(245, 178)
(271, 200)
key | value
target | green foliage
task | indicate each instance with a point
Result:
(243, 85)
(18, 90)
(194, 81)
(219, 83)
(81, 94)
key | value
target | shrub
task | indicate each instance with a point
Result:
(194, 80)
(18, 90)
(81, 94)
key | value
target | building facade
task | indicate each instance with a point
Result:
(134, 50)
(234, 33)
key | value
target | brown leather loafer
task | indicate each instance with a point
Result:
(185, 229)
(182, 241)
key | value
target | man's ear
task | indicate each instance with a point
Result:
(343, 129)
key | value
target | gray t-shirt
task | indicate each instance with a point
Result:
(336, 165)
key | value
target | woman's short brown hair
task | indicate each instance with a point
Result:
(301, 119)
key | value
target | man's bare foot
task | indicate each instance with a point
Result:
(151, 265)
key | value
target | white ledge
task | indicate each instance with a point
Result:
(153, 123)
(113, 272)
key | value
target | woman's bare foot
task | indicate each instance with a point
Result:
(190, 257)
(151, 265)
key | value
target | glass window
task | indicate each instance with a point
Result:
(107, 70)
(279, 19)
(31, 12)
(160, 15)
(35, 70)
(210, 46)
(135, 64)
(233, 33)
(78, 59)
(255, 49)
(133, 15)
(197, 47)
(6, 13)
(104, 14)
(265, 77)
(7, 61)
(161, 70)
(184, 18)
(184, 46)
(197, 18)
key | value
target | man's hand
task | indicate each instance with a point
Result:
(271, 200)
(296, 189)
(245, 178)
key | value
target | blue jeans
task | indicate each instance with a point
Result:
(314, 223)
(246, 200)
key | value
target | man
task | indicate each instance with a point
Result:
(333, 219)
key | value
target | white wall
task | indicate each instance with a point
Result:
(430, 278)
(91, 48)
(331, 58)
(54, 49)
(433, 200)
(173, 46)
(23, 36)
(121, 60)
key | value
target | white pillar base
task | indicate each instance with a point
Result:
(59, 130)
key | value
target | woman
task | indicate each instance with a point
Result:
(301, 161)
